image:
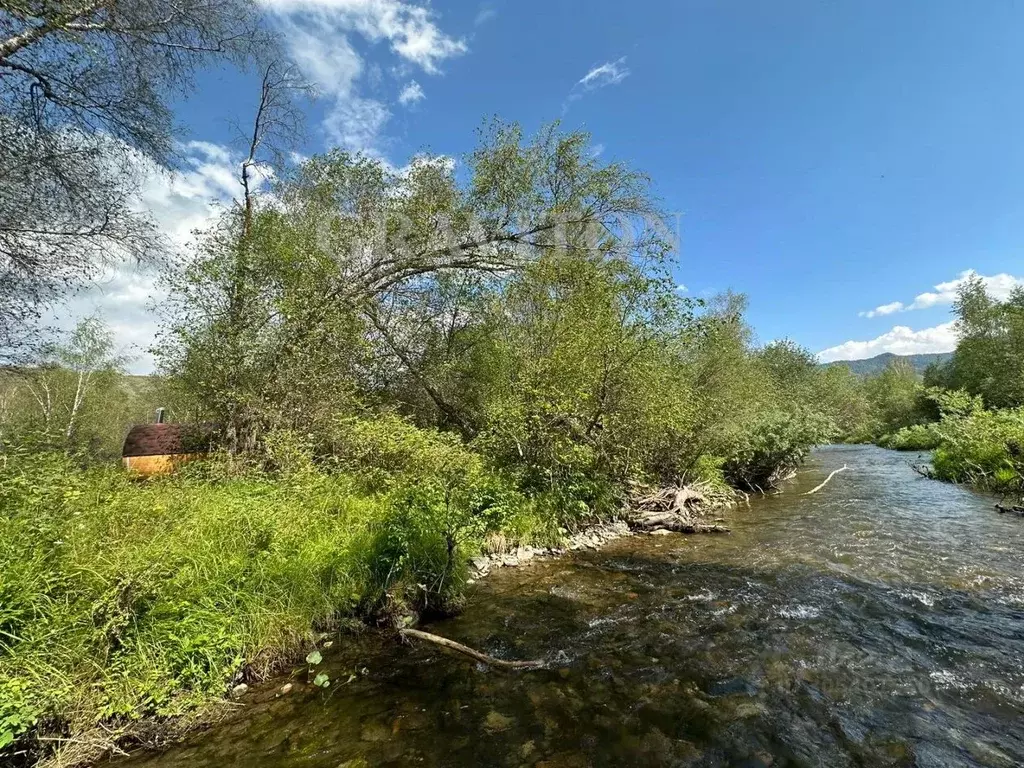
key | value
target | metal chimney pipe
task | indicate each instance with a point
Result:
(159, 415)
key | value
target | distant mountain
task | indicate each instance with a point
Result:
(878, 363)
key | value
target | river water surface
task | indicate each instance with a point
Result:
(878, 622)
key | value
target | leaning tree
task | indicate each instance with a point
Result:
(326, 289)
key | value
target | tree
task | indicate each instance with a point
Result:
(988, 359)
(895, 397)
(350, 246)
(74, 381)
(84, 87)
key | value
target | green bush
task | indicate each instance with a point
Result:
(773, 447)
(984, 449)
(920, 437)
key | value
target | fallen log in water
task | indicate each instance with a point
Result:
(444, 642)
(817, 488)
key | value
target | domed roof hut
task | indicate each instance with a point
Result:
(158, 448)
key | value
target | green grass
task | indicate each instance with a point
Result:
(123, 599)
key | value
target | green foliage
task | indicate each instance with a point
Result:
(774, 447)
(919, 437)
(989, 358)
(408, 369)
(982, 448)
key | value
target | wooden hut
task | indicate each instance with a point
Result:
(158, 448)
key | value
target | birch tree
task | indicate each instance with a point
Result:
(66, 382)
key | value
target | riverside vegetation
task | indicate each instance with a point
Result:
(392, 404)
(408, 370)
(970, 410)
(408, 367)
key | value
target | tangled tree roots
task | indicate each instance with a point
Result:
(677, 508)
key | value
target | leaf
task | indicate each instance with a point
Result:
(314, 657)
(321, 680)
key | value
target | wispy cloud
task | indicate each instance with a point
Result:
(600, 76)
(319, 35)
(609, 73)
(998, 286)
(901, 340)
(885, 309)
(411, 93)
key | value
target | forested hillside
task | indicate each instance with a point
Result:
(878, 363)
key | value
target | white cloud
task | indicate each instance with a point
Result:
(356, 123)
(998, 286)
(682, 288)
(885, 309)
(180, 202)
(609, 73)
(901, 340)
(409, 28)
(322, 50)
(318, 34)
(411, 93)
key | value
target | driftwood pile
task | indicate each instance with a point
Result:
(682, 509)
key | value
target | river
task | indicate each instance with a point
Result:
(878, 622)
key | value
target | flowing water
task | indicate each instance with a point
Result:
(877, 622)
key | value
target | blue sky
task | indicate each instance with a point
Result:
(829, 159)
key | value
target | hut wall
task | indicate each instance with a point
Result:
(148, 466)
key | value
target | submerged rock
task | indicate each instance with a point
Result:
(375, 732)
(496, 722)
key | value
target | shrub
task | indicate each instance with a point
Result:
(984, 449)
(773, 446)
(920, 437)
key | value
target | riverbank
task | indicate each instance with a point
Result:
(970, 445)
(125, 604)
(876, 622)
